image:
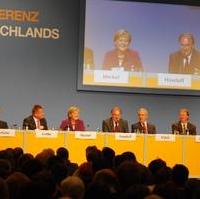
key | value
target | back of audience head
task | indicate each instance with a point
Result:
(137, 191)
(62, 153)
(180, 174)
(4, 194)
(95, 156)
(44, 156)
(108, 155)
(85, 172)
(170, 190)
(43, 186)
(18, 152)
(129, 156)
(31, 167)
(90, 152)
(129, 174)
(162, 175)
(153, 196)
(22, 159)
(72, 187)
(17, 183)
(5, 168)
(156, 164)
(107, 178)
(58, 169)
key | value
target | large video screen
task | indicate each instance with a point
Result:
(134, 46)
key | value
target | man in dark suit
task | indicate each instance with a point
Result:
(3, 125)
(187, 59)
(36, 120)
(143, 126)
(115, 123)
(183, 126)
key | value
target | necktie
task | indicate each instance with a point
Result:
(184, 129)
(116, 127)
(186, 61)
(186, 65)
(38, 124)
(144, 128)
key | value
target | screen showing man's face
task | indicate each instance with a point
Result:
(186, 45)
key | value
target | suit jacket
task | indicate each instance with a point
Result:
(176, 64)
(108, 126)
(131, 60)
(79, 125)
(30, 123)
(178, 127)
(138, 127)
(3, 125)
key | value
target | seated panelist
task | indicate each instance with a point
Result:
(3, 125)
(183, 126)
(37, 120)
(115, 123)
(143, 126)
(72, 122)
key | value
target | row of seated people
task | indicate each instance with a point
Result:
(186, 60)
(113, 124)
(104, 175)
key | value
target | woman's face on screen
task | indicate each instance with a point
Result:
(122, 43)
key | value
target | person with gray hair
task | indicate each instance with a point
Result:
(143, 126)
(187, 59)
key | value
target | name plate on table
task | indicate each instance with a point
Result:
(85, 135)
(107, 76)
(174, 80)
(7, 133)
(197, 138)
(46, 134)
(165, 137)
(125, 136)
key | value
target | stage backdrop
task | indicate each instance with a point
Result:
(38, 65)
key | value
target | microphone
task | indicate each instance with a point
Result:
(187, 131)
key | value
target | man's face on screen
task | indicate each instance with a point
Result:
(183, 116)
(122, 43)
(143, 116)
(186, 46)
(116, 115)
